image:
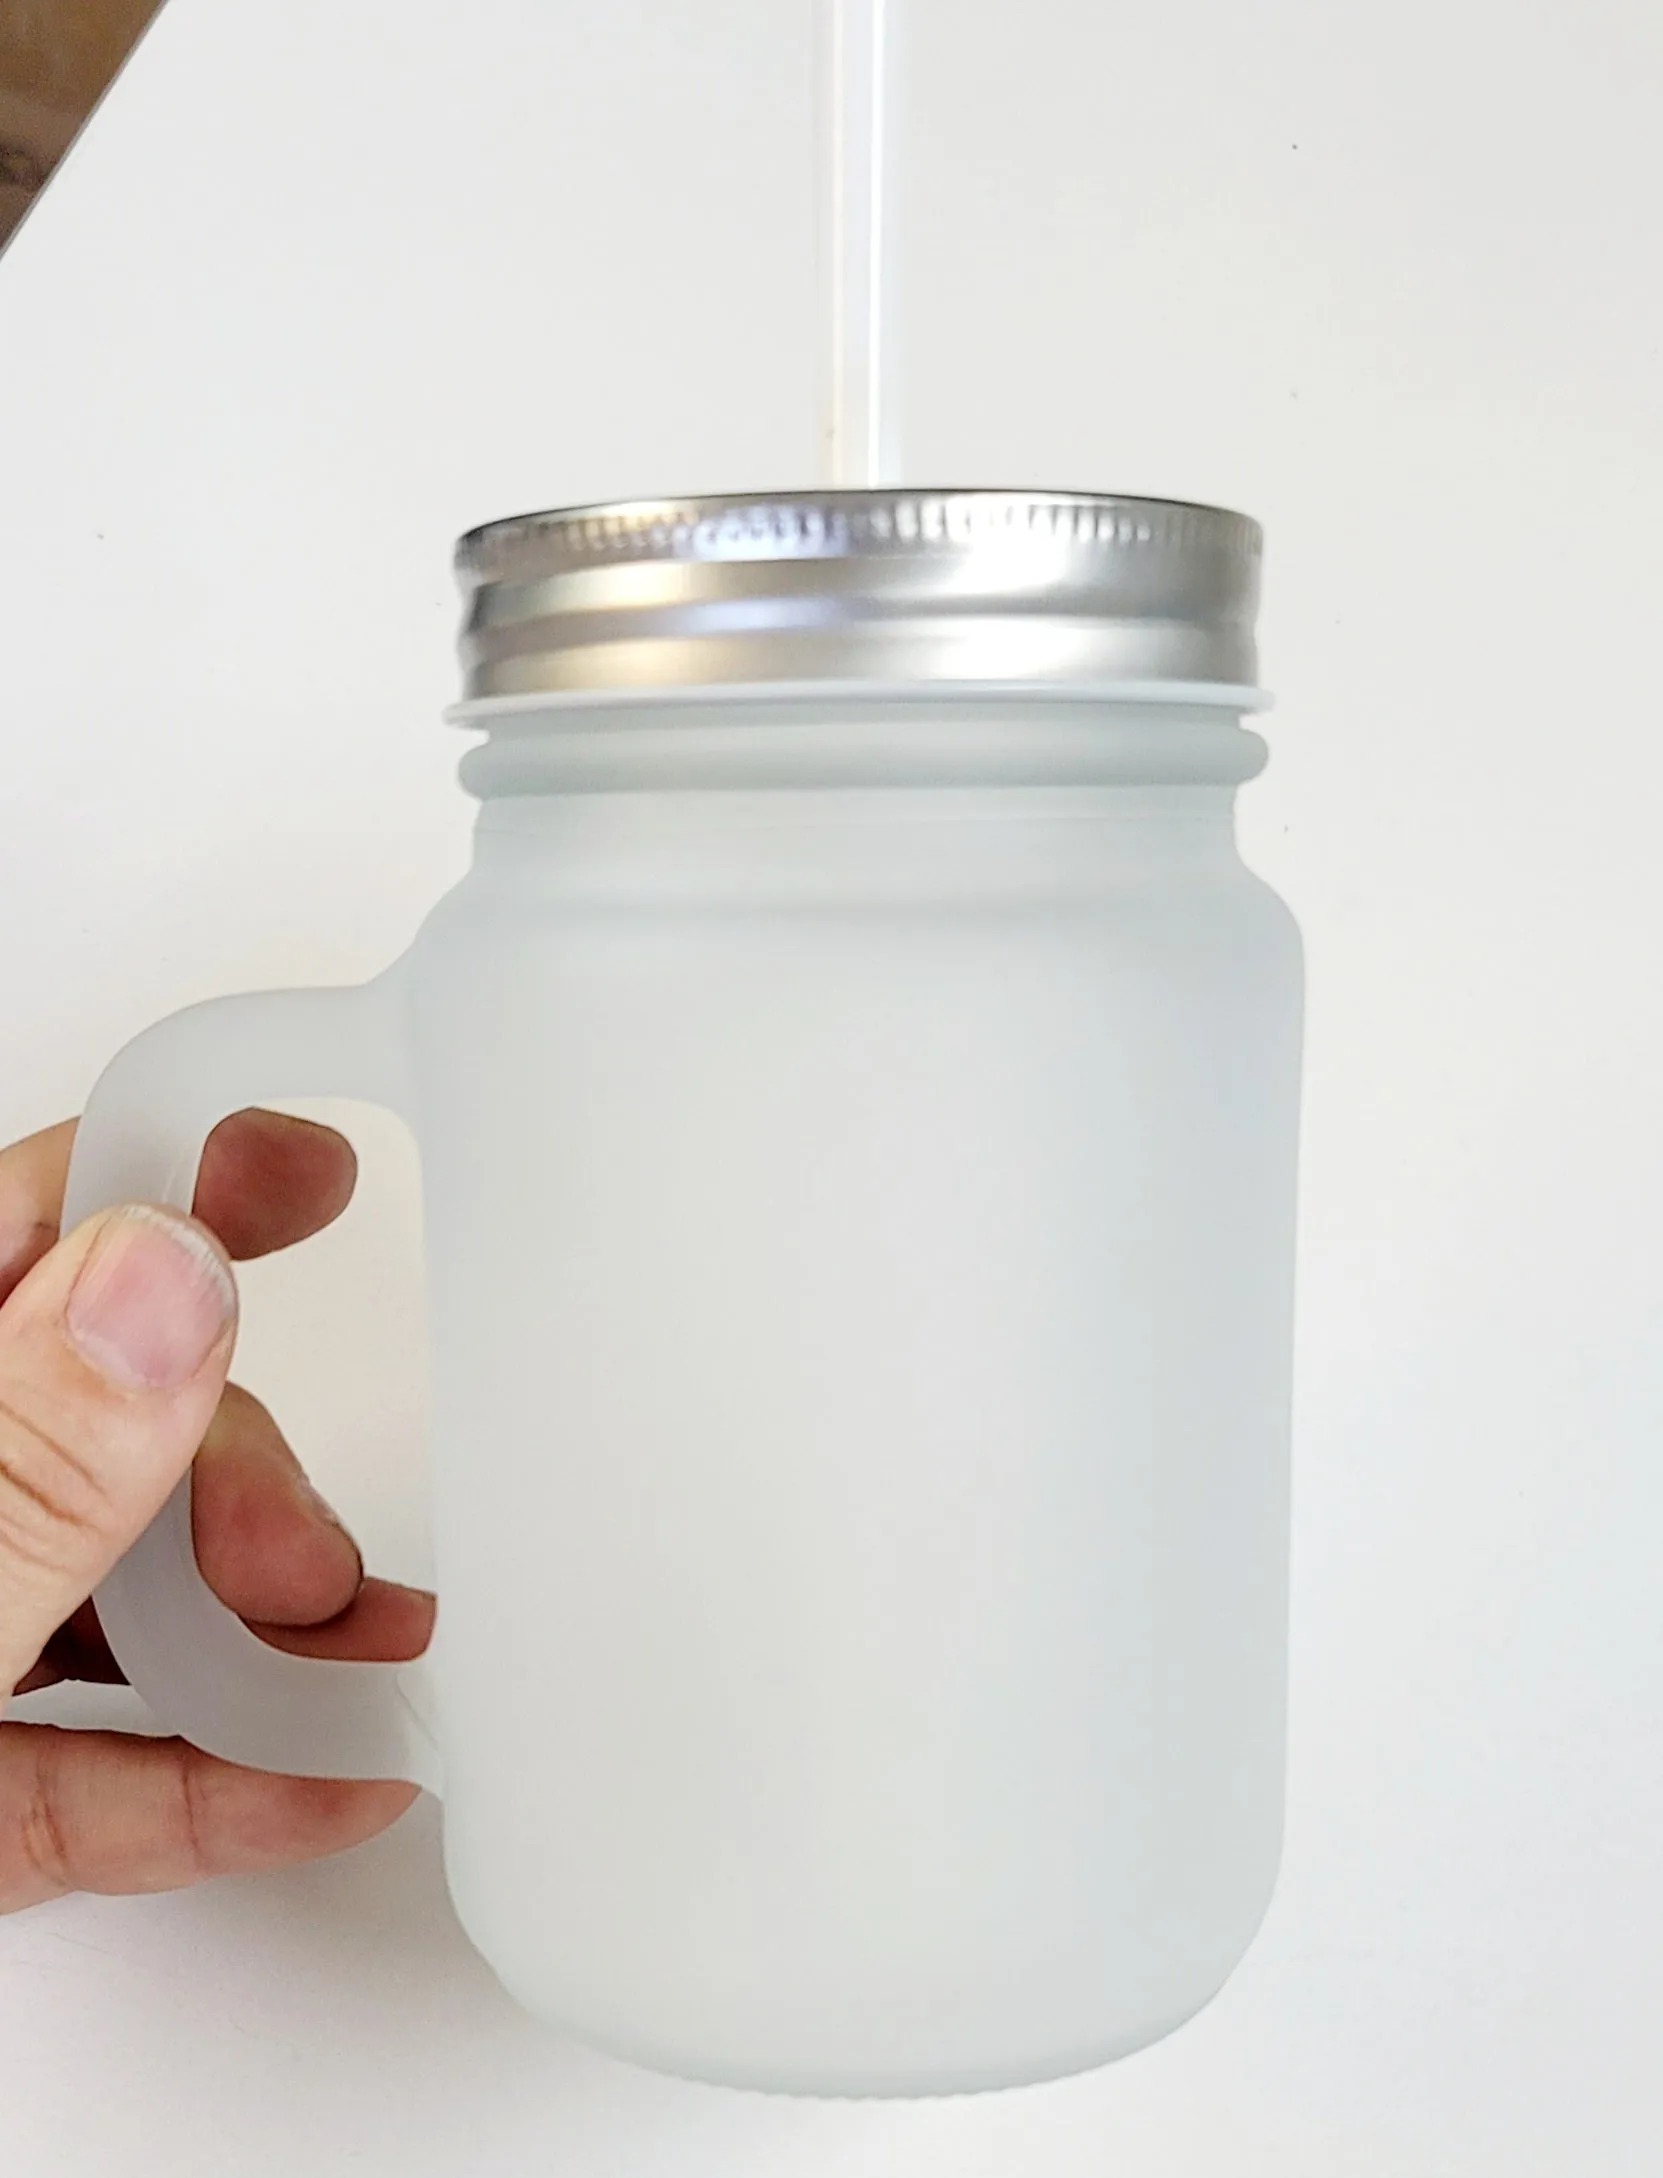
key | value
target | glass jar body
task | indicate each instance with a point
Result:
(860, 1217)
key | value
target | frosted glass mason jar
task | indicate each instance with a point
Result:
(856, 1090)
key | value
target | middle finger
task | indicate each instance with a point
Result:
(269, 1546)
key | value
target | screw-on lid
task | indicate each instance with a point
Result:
(1061, 591)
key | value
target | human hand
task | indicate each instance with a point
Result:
(114, 1343)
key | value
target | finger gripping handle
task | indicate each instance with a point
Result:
(194, 1661)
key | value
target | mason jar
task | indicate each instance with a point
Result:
(856, 1089)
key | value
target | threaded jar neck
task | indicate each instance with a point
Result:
(866, 742)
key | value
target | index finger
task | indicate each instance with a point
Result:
(267, 1180)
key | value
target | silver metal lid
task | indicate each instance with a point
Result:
(795, 591)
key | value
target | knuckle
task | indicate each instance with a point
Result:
(52, 1501)
(191, 1817)
(82, 1812)
(42, 1848)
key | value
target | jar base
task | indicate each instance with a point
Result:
(927, 2080)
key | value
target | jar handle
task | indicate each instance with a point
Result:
(200, 1669)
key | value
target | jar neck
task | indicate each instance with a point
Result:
(966, 741)
(917, 846)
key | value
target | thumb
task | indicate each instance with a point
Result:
(113, 1353)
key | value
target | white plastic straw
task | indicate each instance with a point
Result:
(858, 449)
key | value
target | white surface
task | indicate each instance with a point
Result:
(271, 339)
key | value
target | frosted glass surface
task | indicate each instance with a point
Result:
(861, 1256)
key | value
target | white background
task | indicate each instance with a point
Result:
(323, 284)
